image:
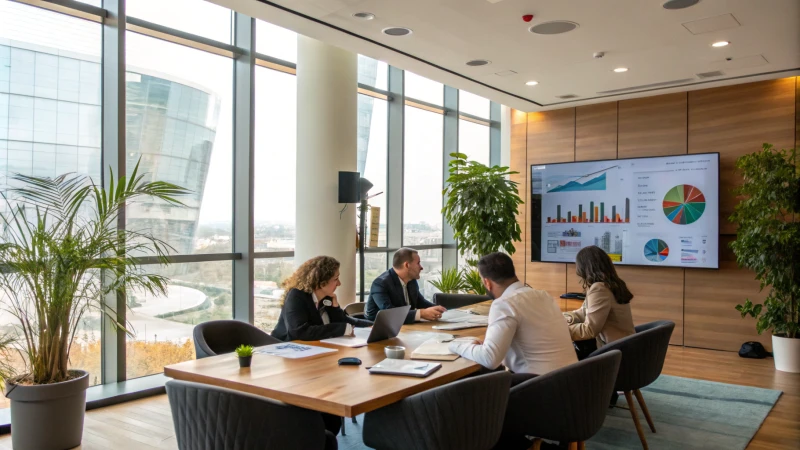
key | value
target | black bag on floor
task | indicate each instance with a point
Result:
(753, 350)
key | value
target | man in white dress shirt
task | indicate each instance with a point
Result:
(526, 332)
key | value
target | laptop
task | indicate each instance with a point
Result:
(386, 326)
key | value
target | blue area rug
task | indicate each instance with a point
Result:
(687, 414)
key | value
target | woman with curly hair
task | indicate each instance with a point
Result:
(310, 309)
(605, 315)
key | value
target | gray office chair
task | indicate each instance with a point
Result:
(356, 310)
(464, 415)
(218, 337)
(568, 405)
(453, 301)
(211, 418)
(643, 356)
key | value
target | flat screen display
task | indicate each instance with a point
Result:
(660, 211)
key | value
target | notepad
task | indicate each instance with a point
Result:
(434, 349)
(404, 367)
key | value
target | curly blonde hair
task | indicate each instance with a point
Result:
(311, 275)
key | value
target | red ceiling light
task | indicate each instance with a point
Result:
(527, 17)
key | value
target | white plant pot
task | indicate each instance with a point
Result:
(787, 354)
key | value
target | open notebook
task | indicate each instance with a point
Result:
(404, 367)
(436, 350)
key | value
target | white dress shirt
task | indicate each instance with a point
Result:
(405, 296)
(326, 320)
(526, 332)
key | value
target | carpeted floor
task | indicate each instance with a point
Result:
(688, 414)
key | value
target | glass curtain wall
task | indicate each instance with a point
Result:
(179, 89)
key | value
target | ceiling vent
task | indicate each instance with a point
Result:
(554, 27)
(567, 97)
(648, 86)
(478, 62)
(711, 24)
(364, 15)
(716, 73)
(679, 4)
(397, 31)
(505, 73)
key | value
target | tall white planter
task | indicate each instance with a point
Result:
(787, 354)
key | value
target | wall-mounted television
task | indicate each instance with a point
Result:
(657, 211)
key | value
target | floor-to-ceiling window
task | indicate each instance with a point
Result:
(50, 124)
(179, 76)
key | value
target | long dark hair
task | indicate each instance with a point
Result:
(594, 266)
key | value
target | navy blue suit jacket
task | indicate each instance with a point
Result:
(387, 292)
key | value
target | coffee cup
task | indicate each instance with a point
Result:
(395, 352)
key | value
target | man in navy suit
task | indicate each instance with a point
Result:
(398, 287)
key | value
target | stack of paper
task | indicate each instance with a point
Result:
(293, 351)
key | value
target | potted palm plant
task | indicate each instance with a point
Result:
(768, 242)
(61, 255)
(449, 282)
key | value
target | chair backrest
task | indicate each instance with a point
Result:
(355, 309)
(223, 336)
(567, 404)
(643, 354)
(452, 301)
(463, 415)
(208, 417)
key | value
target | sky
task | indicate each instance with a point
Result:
(275, 119)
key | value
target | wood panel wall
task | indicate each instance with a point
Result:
(731, 120)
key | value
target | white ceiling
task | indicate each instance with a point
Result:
(654, 43)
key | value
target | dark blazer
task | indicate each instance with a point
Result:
(387, 292)
(301, 320)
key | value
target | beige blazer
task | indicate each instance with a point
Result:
(601, 317)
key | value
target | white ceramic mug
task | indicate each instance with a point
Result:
(395, 352)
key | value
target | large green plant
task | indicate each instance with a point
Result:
(768, 239)
(481, 207)
(62, 254)
(474, 282)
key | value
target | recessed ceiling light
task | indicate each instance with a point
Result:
(478, 62)
(621, 69)
(554, 27)
(397, 31)
(531, 83)
(720, 44)
(364, 15)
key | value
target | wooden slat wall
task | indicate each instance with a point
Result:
(551, 139)
(731, 120)
(519, 136)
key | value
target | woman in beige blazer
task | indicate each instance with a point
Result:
(605, 315)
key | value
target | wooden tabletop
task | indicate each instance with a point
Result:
(320, 384)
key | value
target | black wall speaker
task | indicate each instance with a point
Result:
(349, 191)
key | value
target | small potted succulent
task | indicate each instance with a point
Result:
(245, 354)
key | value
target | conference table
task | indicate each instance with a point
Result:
(319, 383)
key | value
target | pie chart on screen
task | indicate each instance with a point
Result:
(684, 204)
(656, 250)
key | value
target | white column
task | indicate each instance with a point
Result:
(327, 83)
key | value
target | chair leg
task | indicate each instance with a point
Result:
(573, 446)
(643, 405)
(537, 444)
(635, 417)
(581, 445)
(344, 433)
(355, 420)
